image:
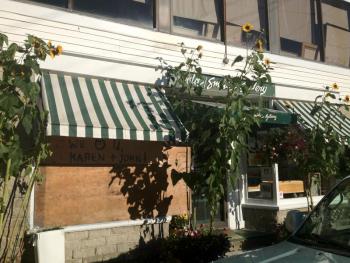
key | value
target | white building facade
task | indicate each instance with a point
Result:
(308, 42)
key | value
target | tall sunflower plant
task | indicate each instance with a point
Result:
(22, 132)
(218, 135)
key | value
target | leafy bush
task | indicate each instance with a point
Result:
(180, 249)
(178, 222)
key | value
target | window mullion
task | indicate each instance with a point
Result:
(273, 25)
(164, 15)
(321, 28)
(70, 4)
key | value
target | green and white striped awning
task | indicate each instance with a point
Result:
(303, 110)
(92, 107)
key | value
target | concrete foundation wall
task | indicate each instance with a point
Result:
(105, 244)
(264, 219)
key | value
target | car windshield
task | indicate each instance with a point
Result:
(328, 226)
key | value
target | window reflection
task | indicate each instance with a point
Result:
(239, 12)
(60, 3)
(131, 11)
(299, 30)
(336, 32)
(197, 18)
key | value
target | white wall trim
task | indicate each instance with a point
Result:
(112, 224)
(300, 202)
(31, 209)
(260, 206)
(284, 204)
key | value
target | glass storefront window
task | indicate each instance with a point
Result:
(197, 18)
(271, 174)
(201, 211)
(260, 174)
(336, 17)
(130, 11)
(239, 12)
(299, 30)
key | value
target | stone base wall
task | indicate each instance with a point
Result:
(105, 244)
(265, 220)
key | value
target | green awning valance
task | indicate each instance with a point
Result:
(303, 111)
(268, 116)
(93, 107)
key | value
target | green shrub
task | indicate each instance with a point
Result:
(180, 249)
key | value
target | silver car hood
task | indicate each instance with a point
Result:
(286, 252)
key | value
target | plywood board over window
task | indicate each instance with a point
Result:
(239, 12)
(202, 10)
(299, 29)
(197, 18)
(335, 15)
(337, 47)
(92, 181)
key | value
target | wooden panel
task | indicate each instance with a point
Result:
(92, 189)
(292, 186)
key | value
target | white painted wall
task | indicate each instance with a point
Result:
(104, 48)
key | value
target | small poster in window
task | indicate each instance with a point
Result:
(281, 195)
(260, 139)
(266, 190)
(251, 143)
(266, 174)
(255, 159)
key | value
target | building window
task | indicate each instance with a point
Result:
(198, 18)
(335, 15)
(239, 12)
(130, 11)
(298, 29)
(272, 177)
(260, 174)
(139, 12)
(60, 3)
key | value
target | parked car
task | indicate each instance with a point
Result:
(323, 236)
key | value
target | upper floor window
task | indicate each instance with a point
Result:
(299, 30)
(239, 12)
(197, 18)
(312, 29)
(60, 3)
(336, 28)
(131, 11)
(138, 12)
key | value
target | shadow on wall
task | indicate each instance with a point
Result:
(145, 187)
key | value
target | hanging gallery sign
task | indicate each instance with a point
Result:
(211, 86)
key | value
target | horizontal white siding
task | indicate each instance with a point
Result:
(99, 47)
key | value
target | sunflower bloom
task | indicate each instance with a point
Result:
(52, 54)
(59, 50)
(267, 62)
(259, 45)
(347, 99)
(247, 27)
(335, 86)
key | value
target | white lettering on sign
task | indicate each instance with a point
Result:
(213, 83)
(207, 82)
(267, 117)
(260, 89)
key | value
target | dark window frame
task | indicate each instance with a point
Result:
(165, 24)
(69, 6)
